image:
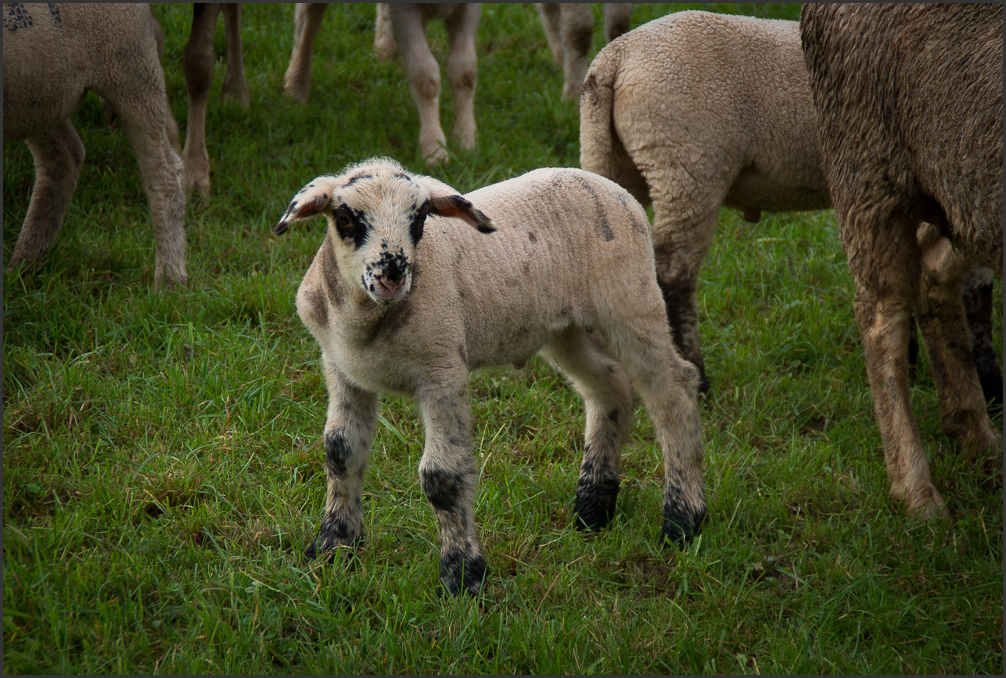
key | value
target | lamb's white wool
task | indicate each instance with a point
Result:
(693, 111)
(52, 55)
(416, 285)
(401, 29)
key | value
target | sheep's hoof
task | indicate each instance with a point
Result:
(925, 501)
(595, 503)
(462, 574)
(331, 550)
(682, 525)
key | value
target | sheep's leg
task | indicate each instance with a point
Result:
(577, 30)
(607, 396)
(550, 21)
(680, 243)
(449, 478)
(143, 114)
(197, 63)
(424, 78)
(58, 156)
(172, 125)
(668, 387)
(384, 38)
(307, 22)
(617, 16)
(977, 298)
(235, 86)
(462, 69)
(887, 273)
(949, 347)
(349, 431)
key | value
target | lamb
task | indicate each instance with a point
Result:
(693, 111)
(402, 26)
(569, 28)
(404, 298)
(52, 55)
(908, 100)
(197, 65)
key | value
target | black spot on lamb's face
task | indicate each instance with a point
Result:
(351, 225)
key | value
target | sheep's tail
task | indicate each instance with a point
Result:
(597, 127)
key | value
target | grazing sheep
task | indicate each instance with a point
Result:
(197, 64)
(565, 267)
(403, 25)
(52, 55)
(693, 111)
(569, 28)
(909, 110)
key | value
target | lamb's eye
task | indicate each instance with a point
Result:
(342, 220)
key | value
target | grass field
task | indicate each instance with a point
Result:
(163, 468)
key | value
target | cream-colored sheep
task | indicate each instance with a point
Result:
(52, 55)
(765, 164)
(401, 28)
(569, 28)
(909, 106)
(694, 111)
(406, 297)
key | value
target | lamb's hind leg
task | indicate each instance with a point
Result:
(607, 396)
(349, 432)
(668, 386)
(449, 478)
(58, 156)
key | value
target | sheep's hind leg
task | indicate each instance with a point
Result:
(235, 86)
(948, 344)
(462, 68)
(887, 280)
(144, 113)
(680, 243)
(607, 396)
(977, 298)
(668, 386)
(307, 22)
(197, 64)
(58, 156)
(424, 79)
(449, 478)
(349, 432)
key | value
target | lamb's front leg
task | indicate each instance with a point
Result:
(349, 431)
(449, 478)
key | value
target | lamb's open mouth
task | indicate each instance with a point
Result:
(387, 291)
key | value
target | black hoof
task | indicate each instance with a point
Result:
(332, 550)
(460, 574)
(681, 526)
(595, 503)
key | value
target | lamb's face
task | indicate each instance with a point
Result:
(376, 221)
(376, 212)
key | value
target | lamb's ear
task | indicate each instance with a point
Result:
(447, 202)
(309, 201)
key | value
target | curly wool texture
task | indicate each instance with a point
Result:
(694, 111)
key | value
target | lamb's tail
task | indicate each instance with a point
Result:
(597, 130)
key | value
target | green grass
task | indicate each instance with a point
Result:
(163, 464)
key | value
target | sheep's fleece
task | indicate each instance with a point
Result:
(406, 297)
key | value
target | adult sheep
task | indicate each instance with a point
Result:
(401, 29)
(52, 55)
(692, 131)
(693, 111)
(405, 297)
(909, 110)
